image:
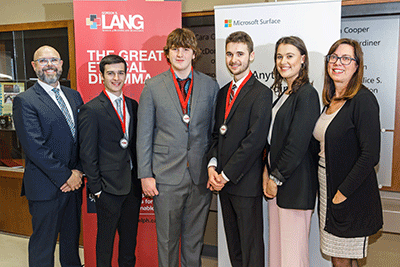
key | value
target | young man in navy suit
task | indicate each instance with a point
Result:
(242, 120)
(174, 131)
(45, 118)
(107, 126)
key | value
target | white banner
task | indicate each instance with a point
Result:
(317, 23)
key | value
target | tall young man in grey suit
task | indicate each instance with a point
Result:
(45, 118)
(242, 120)
(107, 126)
(174, 131)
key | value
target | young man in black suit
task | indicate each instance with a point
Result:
(242, 121)
(107, 126)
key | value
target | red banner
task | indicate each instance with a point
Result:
(137, 31)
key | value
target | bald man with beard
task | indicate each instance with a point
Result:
(45, 118)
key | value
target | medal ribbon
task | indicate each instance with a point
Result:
(228, 106)
(184, 102)
(123, 122)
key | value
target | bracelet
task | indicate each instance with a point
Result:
(273, 178)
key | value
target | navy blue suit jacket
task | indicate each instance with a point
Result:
(50, 150)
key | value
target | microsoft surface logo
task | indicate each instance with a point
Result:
(228, 23)
(92, 21)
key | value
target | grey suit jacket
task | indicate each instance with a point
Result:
(165, 144)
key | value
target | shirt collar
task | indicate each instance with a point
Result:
(112, 96)
(48, 88)
(189, 76)
(238, 83)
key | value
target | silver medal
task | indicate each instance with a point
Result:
(123, 143)
(223, 129)
(186, 118)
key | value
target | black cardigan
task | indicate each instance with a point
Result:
(352, 146)
(291, 158)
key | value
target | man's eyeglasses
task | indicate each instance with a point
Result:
(345, 60)
(45, 61)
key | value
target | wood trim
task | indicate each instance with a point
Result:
(72, 61)
(198, 14)
(14, 208)
(11, 174)
(35, 26)
(364, 2)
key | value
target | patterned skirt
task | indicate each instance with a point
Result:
(331, 245)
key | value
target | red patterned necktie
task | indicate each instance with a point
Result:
(182, 84)
(232, 93)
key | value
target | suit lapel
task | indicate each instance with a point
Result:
(195, 93)
(170, 87)
(222, 103)
(108, 106)
(243, 92)
(45, 98)
(131, 120)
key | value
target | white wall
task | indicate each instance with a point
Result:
(196, 5)
(22, 11)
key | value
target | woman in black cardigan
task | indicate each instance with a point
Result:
(349, 134)
(292, 169)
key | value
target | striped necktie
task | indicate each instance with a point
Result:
(232, 93)
(64, 110)
(118, 101)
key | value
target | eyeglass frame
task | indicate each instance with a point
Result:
(328, 57)
(48, 61)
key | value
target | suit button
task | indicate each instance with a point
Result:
(188, 148)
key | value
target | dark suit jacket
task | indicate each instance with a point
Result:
(352, 146)
(105, 163)
(48, 144)
(239, 151)
(291, 158)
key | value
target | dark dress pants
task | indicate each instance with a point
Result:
(117, 213)
(243, 223)
(60, 216)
